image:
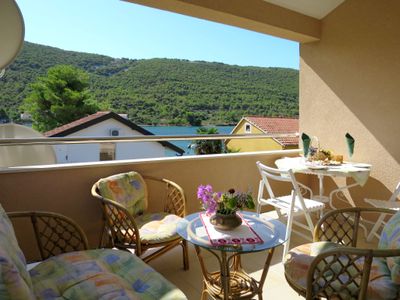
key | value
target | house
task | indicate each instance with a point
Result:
(265, 125)
(107, 124)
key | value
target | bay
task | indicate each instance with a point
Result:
(183, 130)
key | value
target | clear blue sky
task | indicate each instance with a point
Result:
(120, 29)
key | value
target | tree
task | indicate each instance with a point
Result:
(208, 146)
(59, 98)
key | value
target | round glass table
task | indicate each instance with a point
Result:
(231, 281)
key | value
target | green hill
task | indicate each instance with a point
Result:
(161, 91)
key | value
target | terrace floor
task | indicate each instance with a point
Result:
(190, 282)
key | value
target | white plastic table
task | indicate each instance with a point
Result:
(358, 171)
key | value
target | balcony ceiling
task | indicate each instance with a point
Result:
(313, 8)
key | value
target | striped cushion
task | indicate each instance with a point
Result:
(100, 274)
(128, 189)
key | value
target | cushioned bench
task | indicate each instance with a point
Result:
(87, 274)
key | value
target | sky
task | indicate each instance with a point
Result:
(120, 29)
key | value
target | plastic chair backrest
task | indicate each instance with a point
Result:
(277, 175)
(396, 193)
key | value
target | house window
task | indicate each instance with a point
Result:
(107, 151)
(247, 128)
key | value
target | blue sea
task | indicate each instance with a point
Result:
(183, 130)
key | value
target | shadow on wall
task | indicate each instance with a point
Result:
(355, 67)
(373, 189)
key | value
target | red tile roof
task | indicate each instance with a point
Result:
(75, 123)
(278, 125)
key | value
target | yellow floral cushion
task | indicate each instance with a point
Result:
(157, 227)
(128, 189)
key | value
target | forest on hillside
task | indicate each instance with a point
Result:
(160, 91)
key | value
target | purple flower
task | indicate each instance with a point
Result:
(207, 197)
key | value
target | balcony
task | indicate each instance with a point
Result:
(66, 189)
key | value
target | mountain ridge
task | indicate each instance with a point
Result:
(160, 90)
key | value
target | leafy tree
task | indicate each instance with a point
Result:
(59, 98)
(194, 119)
(3, 116)
(208, 146)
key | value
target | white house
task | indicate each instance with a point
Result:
(103, 124)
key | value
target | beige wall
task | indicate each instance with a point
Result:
(66, 189)
(349, 82)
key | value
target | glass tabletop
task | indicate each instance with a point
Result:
(272, 233)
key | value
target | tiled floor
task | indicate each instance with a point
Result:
(190, 282)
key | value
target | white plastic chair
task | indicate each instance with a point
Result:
(287, 206)
(391, 203)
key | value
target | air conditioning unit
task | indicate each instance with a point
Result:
(114, 132)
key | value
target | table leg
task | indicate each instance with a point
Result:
(321, 185)
(231, 281)
(225, 275)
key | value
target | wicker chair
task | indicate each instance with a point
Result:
(54, 233)
(124, 226)
(333, 267)
(65, 268)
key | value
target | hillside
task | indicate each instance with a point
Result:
(162, 91)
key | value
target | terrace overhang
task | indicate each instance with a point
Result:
(255, 15)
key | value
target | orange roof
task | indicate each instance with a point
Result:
(277, 125)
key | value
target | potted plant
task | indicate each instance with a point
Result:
(223, 206)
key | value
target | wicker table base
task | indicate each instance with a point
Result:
(231, 281)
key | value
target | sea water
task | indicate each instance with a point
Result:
(183, 130)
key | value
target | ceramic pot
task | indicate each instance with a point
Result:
(225, 222)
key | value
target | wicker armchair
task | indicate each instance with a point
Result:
(54, 233)
(124, 226)
(67, 270)
(333, 267)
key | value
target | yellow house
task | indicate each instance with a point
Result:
(265, 125)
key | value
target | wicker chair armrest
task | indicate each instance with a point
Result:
(327, 267)
(119, 224)
(174, 197)
(54, 233)
(341, 226)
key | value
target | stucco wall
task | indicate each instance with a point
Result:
(66, 188)
(248, 145)
(349, 82)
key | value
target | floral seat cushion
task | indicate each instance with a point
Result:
(100, 274)
(128, 189)
(157, 227)
(300, 258)
(15, 282)
(390, 239)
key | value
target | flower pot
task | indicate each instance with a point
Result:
(225, 222)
